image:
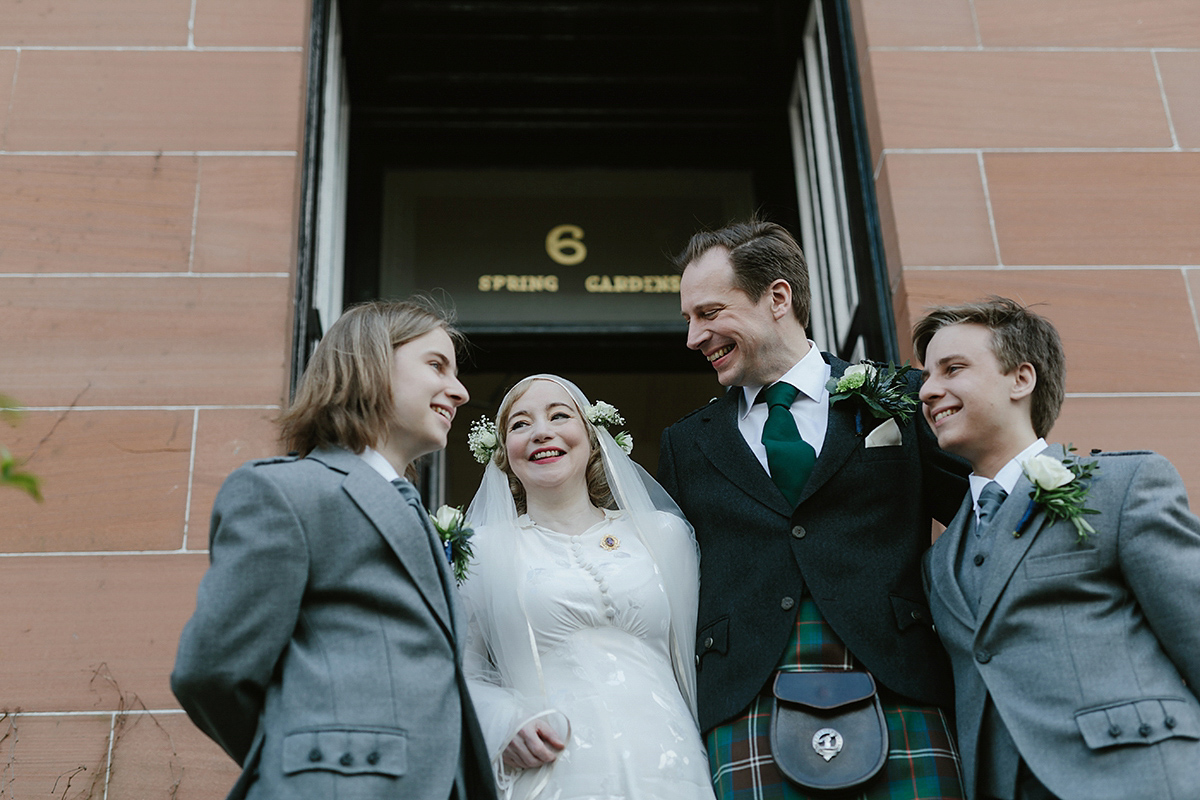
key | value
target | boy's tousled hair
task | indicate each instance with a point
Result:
(1018, 336)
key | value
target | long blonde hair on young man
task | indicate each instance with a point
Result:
(345, 395)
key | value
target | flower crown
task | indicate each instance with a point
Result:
(483, 439)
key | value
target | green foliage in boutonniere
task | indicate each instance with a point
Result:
(882, 388)
(451, 526)
(1061, 488)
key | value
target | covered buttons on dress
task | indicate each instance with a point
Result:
(610, 610)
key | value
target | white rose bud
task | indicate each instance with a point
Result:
(1048, 472)
(866, 370)
(447, 518)
(487, 439)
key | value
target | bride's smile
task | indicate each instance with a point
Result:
(547, 439)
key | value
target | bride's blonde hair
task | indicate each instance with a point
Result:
(597, 484)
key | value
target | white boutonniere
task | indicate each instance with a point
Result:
(1061, 488)
(450, 523)
(882, 388)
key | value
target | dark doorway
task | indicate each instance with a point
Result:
(612, 85)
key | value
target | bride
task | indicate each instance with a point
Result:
(581, 597)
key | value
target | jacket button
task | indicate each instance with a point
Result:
(1169, 722)
(373, 758)
(697, 661)
(708, 642)
(799, 532)
(787, 603)
(979, 559)
(917, 615)
(346, 760)
(983, 656)
(1144, 730)
(1114, 731)
(314, 755)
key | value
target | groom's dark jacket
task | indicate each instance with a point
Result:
(854, 543)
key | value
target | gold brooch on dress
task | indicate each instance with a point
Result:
(610, 542)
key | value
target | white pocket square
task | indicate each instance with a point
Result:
(885, 435)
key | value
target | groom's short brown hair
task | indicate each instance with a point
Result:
(1018, 336)
(760, 253)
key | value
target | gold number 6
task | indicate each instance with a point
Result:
(564, 244)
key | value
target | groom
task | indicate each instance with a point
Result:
(1074, 640)
(812, 565)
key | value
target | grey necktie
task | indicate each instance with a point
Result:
(413, 498)
(990, 500)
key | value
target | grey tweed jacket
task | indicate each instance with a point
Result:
(324, 653)
(1090, 651)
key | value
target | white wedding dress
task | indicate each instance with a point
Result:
(601, 621)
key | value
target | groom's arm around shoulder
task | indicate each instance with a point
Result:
(1158, 549)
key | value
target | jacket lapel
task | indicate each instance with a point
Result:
(722, 444)
(1008, 550)
(944, 564)
(396, 522)
(841, 436)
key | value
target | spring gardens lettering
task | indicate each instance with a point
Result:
(564, 245)
(616, 284)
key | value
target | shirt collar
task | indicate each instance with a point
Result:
(524, 521)
(1009, 474)
(809, 375)
(380, 464)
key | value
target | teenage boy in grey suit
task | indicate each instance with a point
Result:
(325, 652)
(819, 577)
(1073, 636)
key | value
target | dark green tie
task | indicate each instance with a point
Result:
(789, 458)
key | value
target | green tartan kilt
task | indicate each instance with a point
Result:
(922, 762)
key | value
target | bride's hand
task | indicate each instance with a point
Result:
(534, 745)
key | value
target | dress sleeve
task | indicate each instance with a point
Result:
(500, 660)
(499, 708)
(674, 550)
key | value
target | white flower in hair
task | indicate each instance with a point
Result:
(602, 413)
(483, 440)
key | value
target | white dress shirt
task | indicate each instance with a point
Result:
(380, 464)
(810, 409)
(1008, 475)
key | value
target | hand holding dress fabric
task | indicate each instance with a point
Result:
(534, 745)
